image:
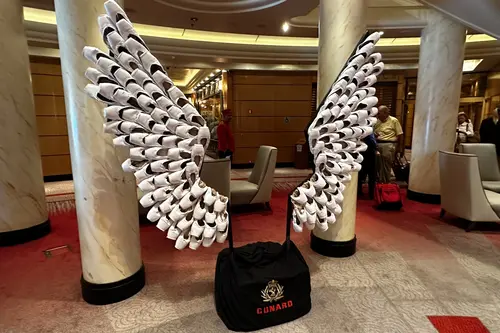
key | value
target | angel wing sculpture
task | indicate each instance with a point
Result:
(345, 116)
(166, 135)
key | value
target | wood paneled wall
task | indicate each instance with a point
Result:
(269, 108)
(50, 112)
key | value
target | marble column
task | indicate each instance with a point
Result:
(341, 25)
(23, 211)
(437, 101)
(106, 198)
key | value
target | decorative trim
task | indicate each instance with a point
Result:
(15, 237)
(107, 293)
(333, 248)
(424, 197)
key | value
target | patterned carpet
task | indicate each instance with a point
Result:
(409, 265)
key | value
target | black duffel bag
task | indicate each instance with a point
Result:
(261, 284)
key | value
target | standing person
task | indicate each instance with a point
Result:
(225, 145)
(464, 128)
(368, 166)
(388, 131)
(489, 131)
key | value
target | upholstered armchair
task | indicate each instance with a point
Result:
(258, 187)
(462, 192)
(488, 165)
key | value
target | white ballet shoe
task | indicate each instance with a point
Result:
(197, 228)
(322, 224)
(378, 68)
(209, 230)
(195, 241)
(298, 196)
(220, 204)
(164, 223)
(144, 173)
(188, 201)
(133, 165)
(221, 235)
(173, 232)
(330, 217)
(199, 188)
(210, 197)
(168, 205)
(320, 196)
(221, 221)
(296, 223)
(181, 190)
(309, 189)
(367, 69)
(96, 76)
(321, 211)
(200, 210)
(318, 181)
(197, 154)
(210, 215)
(208, 241)
(154, 213)
(369, 81)
(374, 58)
(186, 222)
(182, 241)
(177, 214)
(301, 214)
(147, 185)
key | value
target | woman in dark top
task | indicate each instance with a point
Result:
(368, 166)
(490, 130)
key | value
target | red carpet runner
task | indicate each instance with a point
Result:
(452, 324)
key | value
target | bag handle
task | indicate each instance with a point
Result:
(289, 210)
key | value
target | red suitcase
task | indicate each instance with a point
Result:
(388, 197)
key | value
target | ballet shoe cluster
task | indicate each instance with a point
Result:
(344, 118)
(166, 136)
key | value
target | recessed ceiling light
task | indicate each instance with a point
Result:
(285, 27)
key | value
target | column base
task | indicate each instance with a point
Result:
(14, 237)
(424, 197)
(333, 249)
(107, 293)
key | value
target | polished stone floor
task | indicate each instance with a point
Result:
(409, 265)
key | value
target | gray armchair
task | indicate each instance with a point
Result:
(258, 187)
(488, 164)
(462, 192)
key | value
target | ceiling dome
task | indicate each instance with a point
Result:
(220, 6)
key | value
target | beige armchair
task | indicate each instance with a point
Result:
(258, 187)
(462, 193)
(216, 173)
(488, 165)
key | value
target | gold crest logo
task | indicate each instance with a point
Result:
(272, 292)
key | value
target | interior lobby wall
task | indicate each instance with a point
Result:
(492, 93)
(270, 108)
(50, 112)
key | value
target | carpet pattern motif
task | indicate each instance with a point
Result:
(409, 265)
